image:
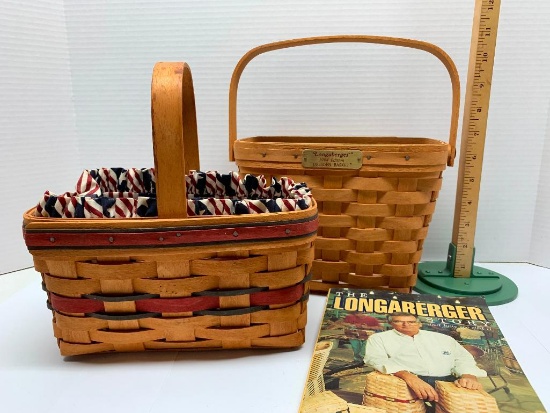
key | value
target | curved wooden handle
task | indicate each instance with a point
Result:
(175, 139)
(393, 41)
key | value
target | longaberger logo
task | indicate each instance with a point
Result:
(332, 159)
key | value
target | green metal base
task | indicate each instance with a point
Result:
(436, 277)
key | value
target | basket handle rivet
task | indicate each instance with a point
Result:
(52, 239)
(161, 238)
(296, 155)
(407, 157)
(235, 234)
(287, 231)
(178, 234)
(264, 154)
(368, 157)
(111, 239)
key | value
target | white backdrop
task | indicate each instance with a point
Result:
(75, 81)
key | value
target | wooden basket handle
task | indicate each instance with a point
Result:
(393, 41)
(175, 138)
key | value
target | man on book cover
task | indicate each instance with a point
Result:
(421, 357)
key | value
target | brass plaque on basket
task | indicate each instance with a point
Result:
(332, 159)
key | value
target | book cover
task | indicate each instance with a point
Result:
(380, 351)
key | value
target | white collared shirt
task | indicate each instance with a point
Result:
(427, 354)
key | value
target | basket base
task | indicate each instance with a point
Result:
(437, 277)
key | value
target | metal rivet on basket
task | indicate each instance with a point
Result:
(52, 239)
(178, 234)
(161, 238)
(235, 234)
(296, 155)
(287, 231)
(264, 154)
(368, 157)
(111, 239)
(407, 157)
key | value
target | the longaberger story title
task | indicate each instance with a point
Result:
(350, 301)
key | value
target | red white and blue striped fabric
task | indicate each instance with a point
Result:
(127, 193)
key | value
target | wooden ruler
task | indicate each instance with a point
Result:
(476, 110)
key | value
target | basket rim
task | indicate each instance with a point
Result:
(361, 142)
(32, 222)
(55, 234)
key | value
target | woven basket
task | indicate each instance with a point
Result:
(510, 361)
(453, 399)
(175, 282)
(391, 394)
(315, 383)
(325, 402)
(374, 207)
(355, 408)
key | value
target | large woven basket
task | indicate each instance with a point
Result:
(376, 195)
(175, 282)
(453, 399)
(324, 402)
(391, 394)
(356, 408)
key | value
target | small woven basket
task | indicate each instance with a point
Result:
(315, 383)
(391, 394)
(376, 195)
(175, 281)
(453, 399)
(324, 402)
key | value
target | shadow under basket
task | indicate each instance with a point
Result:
(175, 281)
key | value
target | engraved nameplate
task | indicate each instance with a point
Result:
(332, 159)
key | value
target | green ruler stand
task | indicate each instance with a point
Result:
(458, 276)
(437, 277)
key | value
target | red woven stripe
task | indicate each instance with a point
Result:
(282, 296)
(75, 305)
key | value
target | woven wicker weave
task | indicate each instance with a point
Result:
(175, 282)
(391, 394)
(315, 383)
(325, 402)
(355, 408)
(453, 399)
(373, 219)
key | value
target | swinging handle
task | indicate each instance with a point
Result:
(392, 41)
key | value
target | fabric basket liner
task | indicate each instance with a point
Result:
(126, 193)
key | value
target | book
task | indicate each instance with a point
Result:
(379, 351)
